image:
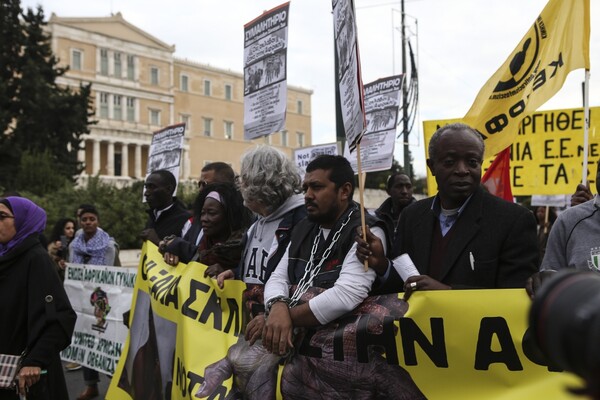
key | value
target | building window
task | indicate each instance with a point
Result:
(103, 62)
(118, 164)
(76, 57)
(207, 122)
(130, 67)
(206, 87)
(131, 109)
(154, 117)
(184, 83)
(104, 105)
(187, 120)
(117, 108)
(300, 138)
(299, 106)
(268, 139)
(228, 128)
(118, 69)
(154, 76)
(228, 90)
(284, 138)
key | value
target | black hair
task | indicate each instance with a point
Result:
(392, 178)
(88, 209)
(222, 169)
(167, 177)
(59, 228)
(237, 216)
(340, 170)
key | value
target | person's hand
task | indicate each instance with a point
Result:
(213, 270)
(535, 281)
(254, 329)
(227, 274)
(171, 259)
(422, 282)
(61, 264)
(151, 235)
(371, 250)
(27, 377)
(277, 333)
(581, 195)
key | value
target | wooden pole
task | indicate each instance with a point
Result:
(361, 189)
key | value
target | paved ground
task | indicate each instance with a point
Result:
(75, 384)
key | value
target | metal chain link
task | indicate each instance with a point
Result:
(311, 270)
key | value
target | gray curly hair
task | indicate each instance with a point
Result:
(268, 177)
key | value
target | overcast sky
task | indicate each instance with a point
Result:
(459, 45)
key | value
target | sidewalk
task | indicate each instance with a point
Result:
(75, 384)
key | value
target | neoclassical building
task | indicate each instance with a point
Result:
(139, 87)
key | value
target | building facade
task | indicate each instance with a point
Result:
(139, 87)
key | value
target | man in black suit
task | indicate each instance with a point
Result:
(463, 237)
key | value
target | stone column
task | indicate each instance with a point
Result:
(138, 161)
(110, 159)
(96, 157)
(124, 160)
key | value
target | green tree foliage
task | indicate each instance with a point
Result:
(378, 180)
(37, 116)
(36, 173)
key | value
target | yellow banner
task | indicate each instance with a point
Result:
(547, 153)
(463, 344)
(557, 43)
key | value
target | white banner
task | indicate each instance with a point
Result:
(348, 74)
(99, 295)
(305, 155)
(382, 100)
(166, 149)
(265, 76)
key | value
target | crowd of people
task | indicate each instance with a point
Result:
(283, 234)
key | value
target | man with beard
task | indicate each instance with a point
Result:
(463, 237)
(399, 188)
(166, 215)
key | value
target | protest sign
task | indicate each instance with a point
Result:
(165, 150)
(99, 295)
(304, 155)
(445, 344)
(547, 154)
(265, 77)
(348, 75)
(382, 99)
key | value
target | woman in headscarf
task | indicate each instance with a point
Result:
(36, 315)
(224, 220)
(93, 247)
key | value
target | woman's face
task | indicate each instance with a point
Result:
(69, 230)
(213, 220)
(89, 223)
(7, 224)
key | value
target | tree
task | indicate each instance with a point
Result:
(378, 180)
(36, 114)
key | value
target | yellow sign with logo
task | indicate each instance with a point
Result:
(547, 154)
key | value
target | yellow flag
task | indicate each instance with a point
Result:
(557, 43)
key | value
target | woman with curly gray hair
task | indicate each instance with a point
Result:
(271, 186)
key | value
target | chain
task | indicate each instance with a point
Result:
(311, 270)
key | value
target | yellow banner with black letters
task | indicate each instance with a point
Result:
(185, 338)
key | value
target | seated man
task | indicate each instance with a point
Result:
(322, 254)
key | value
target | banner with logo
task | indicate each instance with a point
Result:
(547, 153)
(265, 77)
(557, 43)
(99, 295)
(186, 342)
(382, 99)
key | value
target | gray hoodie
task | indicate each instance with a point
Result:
(261, 243)
(574, 240)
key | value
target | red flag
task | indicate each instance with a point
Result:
(497, 178)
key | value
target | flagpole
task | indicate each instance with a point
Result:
(586, 126)
(361, 189)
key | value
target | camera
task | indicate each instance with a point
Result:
(565, 323)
